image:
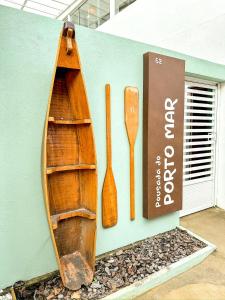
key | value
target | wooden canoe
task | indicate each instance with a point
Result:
(69, 165)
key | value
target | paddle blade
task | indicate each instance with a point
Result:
(131, 111)
(109, 200)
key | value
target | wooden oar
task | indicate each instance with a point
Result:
(109, 192)
(131, 120)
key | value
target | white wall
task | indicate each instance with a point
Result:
(220, 178)
(194, 27)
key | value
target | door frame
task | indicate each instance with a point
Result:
(217, 119)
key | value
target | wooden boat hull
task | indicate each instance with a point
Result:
(70, 175)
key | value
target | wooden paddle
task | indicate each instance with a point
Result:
(131, 120)
(109, 192)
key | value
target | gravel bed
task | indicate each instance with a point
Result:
(7, 296)
(121, 268)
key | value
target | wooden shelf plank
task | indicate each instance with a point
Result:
(80, 212)
(51, 170)
(67, 68)
(69, 122)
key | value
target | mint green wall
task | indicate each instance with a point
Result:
(27, 54)
(27, 57)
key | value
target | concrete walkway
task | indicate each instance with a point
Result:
(207, 280)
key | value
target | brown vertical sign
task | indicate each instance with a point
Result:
(163, 117)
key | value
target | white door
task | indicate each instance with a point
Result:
(199, 146)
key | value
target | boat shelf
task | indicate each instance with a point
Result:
(51, 170)
(70, 168)
(80, 212)
(69, 122)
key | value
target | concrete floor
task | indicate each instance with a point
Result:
(205, 281)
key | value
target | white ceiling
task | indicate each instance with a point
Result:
(194, 27)
(50, 8)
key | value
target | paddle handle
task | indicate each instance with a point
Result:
(132, 189)
(108, 126)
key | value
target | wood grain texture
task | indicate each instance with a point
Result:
(131, 114)
(69, 171)
(109, 191)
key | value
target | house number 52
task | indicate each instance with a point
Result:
(158, 60)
